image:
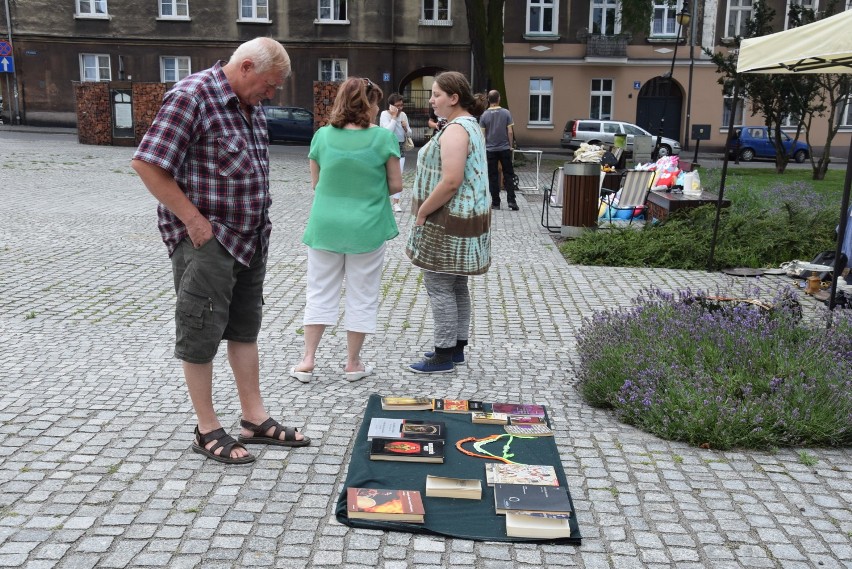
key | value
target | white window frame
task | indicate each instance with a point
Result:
(259, 11)
(726, 110)
(178, 60)
(435, 7)
(738, 12)
(668, 16)
(175, 7)
(327, 10)
(97, 68)
(607, 8)
(88, 9)
(336, 74)
(537, 90)
(543, 8)
(844, 116)
(807, 4)
(598, 95)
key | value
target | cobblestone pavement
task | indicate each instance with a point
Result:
(95, 423)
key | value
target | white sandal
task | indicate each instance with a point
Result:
(303, 376)
(356, 375)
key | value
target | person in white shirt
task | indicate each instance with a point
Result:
(396, 121)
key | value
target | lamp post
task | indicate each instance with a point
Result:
(683, 18)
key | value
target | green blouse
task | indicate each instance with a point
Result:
(351, 212)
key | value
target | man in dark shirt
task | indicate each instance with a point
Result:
(206, 160)
(499, 137)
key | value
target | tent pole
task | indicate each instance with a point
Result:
(841, 230)
(728, 138)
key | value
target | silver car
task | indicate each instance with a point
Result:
(578, 131)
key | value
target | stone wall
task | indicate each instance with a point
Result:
(147, 100)
(94, 117)
(324, 94)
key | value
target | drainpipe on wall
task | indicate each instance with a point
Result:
(17, 119)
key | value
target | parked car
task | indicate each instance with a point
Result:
(578, 131)
(291, 124)
(753, 142)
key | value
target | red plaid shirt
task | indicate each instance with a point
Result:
(219, 160)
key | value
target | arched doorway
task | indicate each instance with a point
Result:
(416, 88)
(657, 96)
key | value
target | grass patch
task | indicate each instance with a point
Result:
(771, 220)
(721, 375)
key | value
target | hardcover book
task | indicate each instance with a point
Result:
(457, 405)
(406, 404)
(539, 430)
(489, 418)
(443, 487)
(390, 505)
(405, 429)
(518, 409)
(531, 474)
(526, 420)
(407, 450)
(529, 498)
(537, 526)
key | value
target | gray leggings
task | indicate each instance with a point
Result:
(450, 300)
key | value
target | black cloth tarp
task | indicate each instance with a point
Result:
(457, 518)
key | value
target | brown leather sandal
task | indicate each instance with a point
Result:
(224, 441)
(261, 438)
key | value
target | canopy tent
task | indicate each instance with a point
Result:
(824, 46)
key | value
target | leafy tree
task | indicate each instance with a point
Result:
(485, 25)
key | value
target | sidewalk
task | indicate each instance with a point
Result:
(95, 423)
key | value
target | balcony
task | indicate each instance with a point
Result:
(598, 45)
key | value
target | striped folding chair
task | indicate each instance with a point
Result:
(633, 194)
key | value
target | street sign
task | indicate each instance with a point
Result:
(5, 48)
(385, 76)
(7, 64)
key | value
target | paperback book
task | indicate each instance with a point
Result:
(530, 498)
(406, 404)
(537, 526)
(405, 429)
(518, 409)
(534, 430)
(406, 450)
(390, 505)
(530, 474)
(457, 405)
(484, 418)
(443, 487)
(526, 420)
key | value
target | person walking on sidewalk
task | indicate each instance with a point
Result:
(451, 235)
(206, 160)
(499, 139)
(354, 167)
(395, 120)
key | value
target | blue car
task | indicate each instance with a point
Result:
(753, 142)
(290, 124)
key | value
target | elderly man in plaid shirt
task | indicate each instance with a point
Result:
(206, 160)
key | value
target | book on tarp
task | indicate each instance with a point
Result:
(406, 450)
(406, 404)
(389, 505)
(457, 405)
(534, 430)
(445, 487)
(533, 474)
(405, 429)
(530, 498)
(518, 409)
(537, 526)
(526, 420)
(484, 418)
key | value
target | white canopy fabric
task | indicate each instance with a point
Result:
(825, 46)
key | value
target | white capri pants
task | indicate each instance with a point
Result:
(363, 272)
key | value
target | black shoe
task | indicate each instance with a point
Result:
(514, 207)
(495, 206)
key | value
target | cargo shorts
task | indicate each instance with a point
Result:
(217, 299)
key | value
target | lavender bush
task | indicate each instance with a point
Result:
(727, 374)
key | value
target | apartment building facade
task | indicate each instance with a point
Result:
(571, 59)
(400, 44)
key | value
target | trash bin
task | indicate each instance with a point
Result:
(580, 198)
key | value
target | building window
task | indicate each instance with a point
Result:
(254, 11)
(664, 21)
(604, 18)
(332, 11)
(806, 6)
(92, 9)
(541, 97)
(542, 17)
(726, 112)
(436, 13)
(174, 9)
(601, 99)
(174, 69)
(739, 12)
(332, 69)
(844, 117)
(94, 67)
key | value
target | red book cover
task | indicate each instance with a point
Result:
(380, 504)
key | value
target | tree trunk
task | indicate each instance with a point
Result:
(485, 26)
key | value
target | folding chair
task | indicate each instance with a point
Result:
(552, 198)
(632, 195)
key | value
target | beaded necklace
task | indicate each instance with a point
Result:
(478, 443)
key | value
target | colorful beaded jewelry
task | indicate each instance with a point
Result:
(478, 443)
